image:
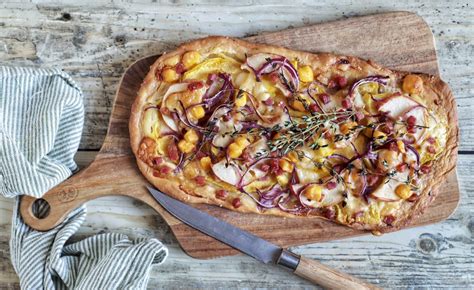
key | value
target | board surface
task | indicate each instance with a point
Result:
(397, 40)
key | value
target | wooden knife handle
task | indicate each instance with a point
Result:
(320, 274)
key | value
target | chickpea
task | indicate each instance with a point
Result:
(169, 75)
(403, 191)
(191, 58)
(412, 84)
(185, 147)
(191, 136)
(285, 165)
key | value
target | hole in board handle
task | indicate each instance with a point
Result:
(40, 208)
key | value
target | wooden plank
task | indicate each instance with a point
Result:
(103, 33)
(381, 42)
(94, 181)
(438, 255)
(98, 42)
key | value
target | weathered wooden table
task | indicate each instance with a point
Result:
(96, 42)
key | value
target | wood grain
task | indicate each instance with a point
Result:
(102, 37)
(328, 277)
(437, 255)
(376, 37)
(94, 181)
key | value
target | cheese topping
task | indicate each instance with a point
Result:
(286, 135)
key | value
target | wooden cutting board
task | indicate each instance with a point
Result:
(399, 40)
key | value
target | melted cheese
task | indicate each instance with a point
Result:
(274, 101)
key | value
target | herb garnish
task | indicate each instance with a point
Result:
(298, 133)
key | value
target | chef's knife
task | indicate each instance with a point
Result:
(256, 247)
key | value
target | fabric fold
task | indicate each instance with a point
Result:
(41, 119)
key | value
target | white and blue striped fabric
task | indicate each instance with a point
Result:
(41, 117)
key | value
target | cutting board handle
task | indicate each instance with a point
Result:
(62, 200)
(105, 176)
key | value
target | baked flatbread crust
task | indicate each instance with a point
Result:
(437, 96)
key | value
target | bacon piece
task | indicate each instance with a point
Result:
(195, 86)
(331, 185)
(324, 98)
(389, 219)
(346, 103)
(157, 160)
(165, 170)
(425, 169)
(431, 149)
(221, 194)
(172, 151)
(180, 68)
(200, 180)
(236, 202)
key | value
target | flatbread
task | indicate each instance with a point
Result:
(385, 98)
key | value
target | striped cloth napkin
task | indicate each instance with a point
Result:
(41, 116)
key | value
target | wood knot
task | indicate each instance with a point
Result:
(65, 17)
(470, 225)
(427, 245)
(120, 39)
(430, 244)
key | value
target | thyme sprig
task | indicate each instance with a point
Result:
(404, 123)
(296, 133)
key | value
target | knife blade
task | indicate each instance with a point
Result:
(256, 247)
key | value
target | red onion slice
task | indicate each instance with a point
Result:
(270, 198)
(293, 181)
(219, 91)
(383, 80)
(220, 111)
(272, 64)
(395, 106)
(360, 183)
(297, 209)
(248, 125)
(356, 99)
(411, 148)
(339, 156)
(183, 117)
(223, 137)
(254, 164)
(175, 88)
(255, 108)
